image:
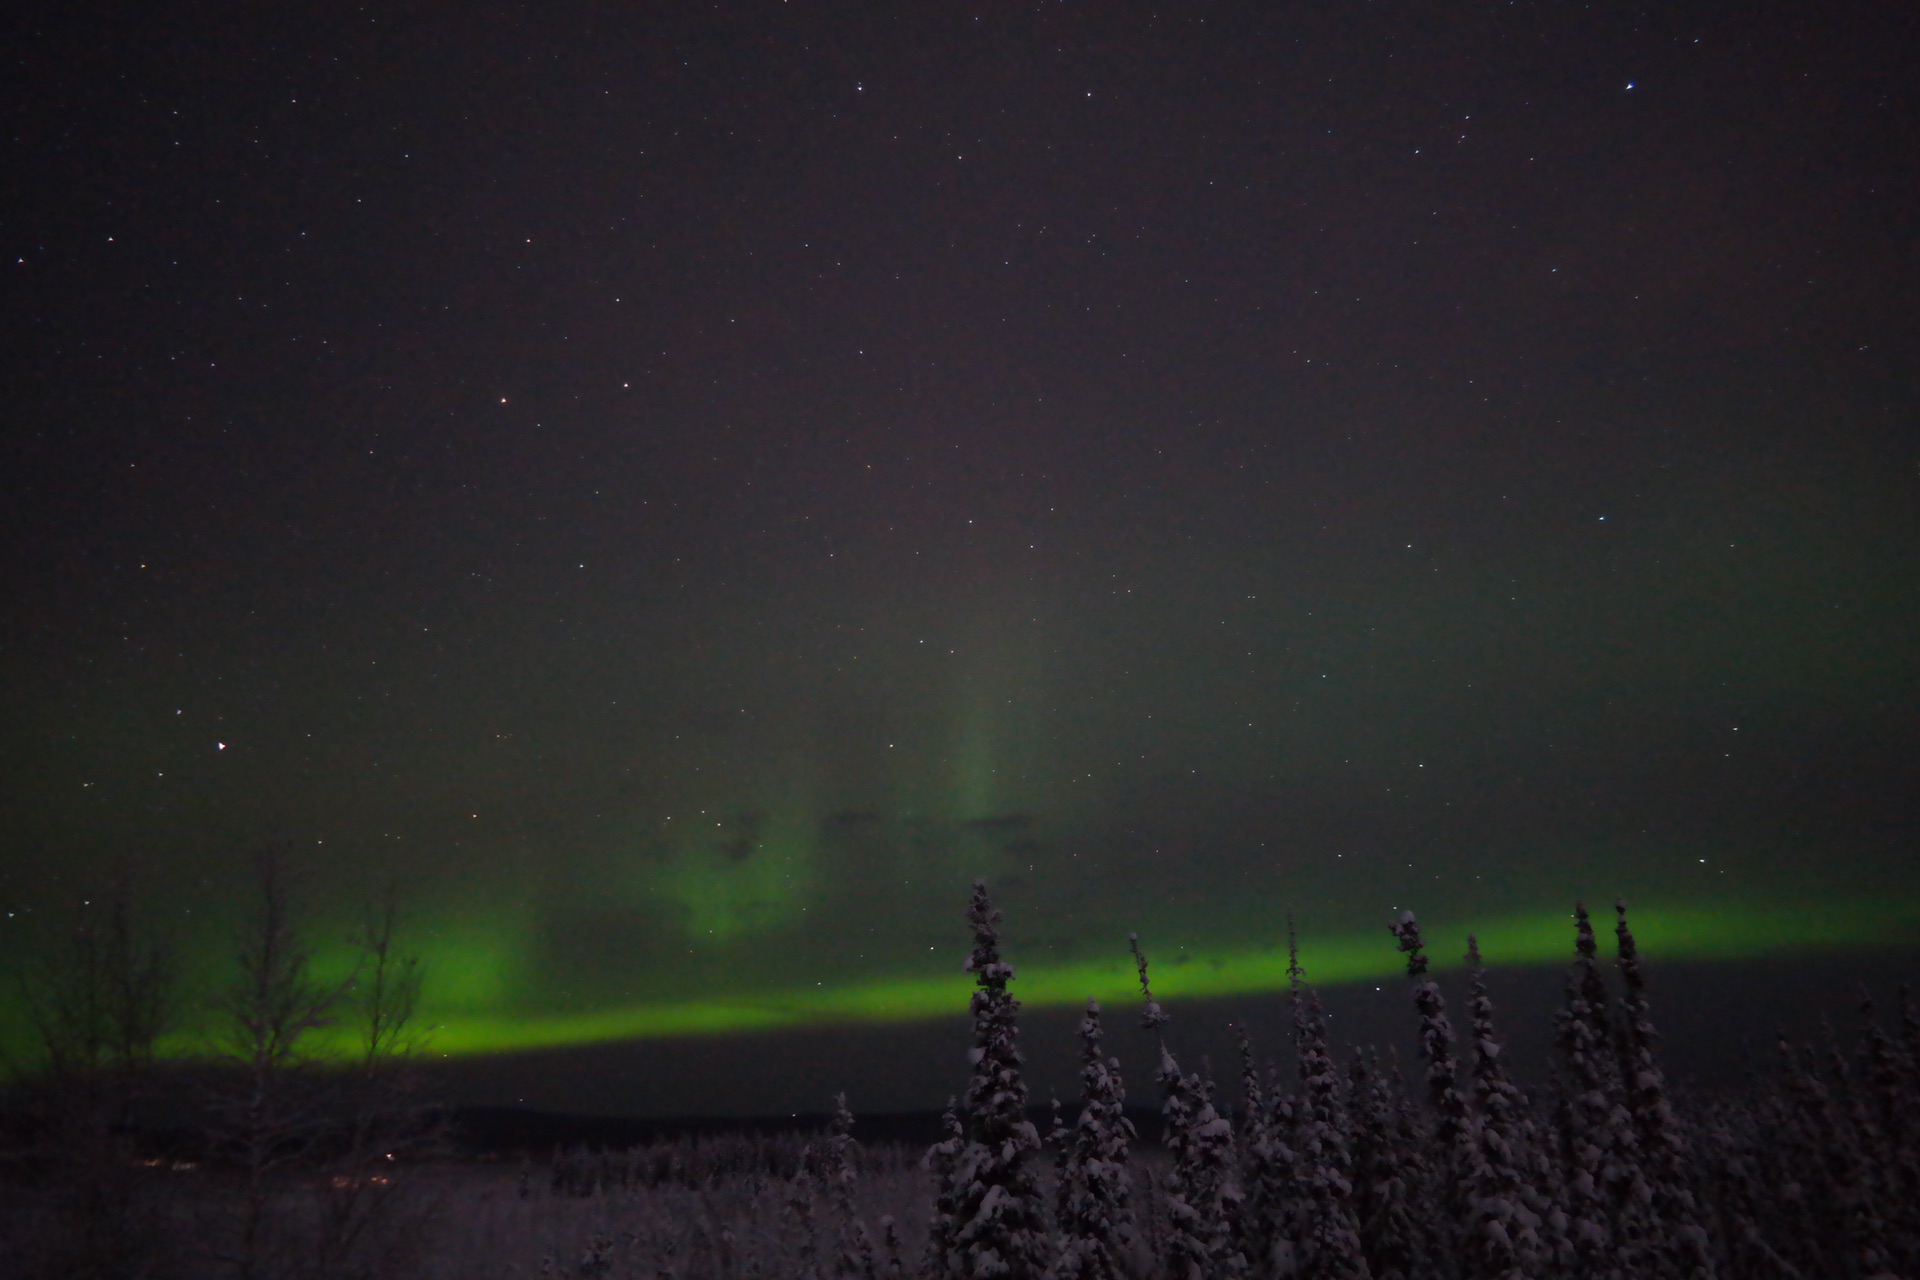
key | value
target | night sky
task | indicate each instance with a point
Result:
(684, 490)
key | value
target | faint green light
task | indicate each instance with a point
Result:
(719, 890)
(1684, 934)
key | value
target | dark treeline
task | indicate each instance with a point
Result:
(306, 1147)
(1341, 1171)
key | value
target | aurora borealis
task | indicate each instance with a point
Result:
(679, 495)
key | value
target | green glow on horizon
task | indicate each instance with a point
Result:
(458, 1028)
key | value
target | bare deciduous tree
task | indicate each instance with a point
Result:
(98, 1002)
(385, 1121)
(272, 1114)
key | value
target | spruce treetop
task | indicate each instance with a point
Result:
(1407, 930)
(1153, 1017)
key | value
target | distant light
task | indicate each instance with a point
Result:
(221, 745)
(1629, 85)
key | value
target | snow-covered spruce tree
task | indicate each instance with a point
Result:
(1836, 1181)
(1875, 1179)
(1685, 1250)
(1000, 1226)
(1286, 1116)
(1896, 1125)
(1094, 1210)
(805, 1254)
(838, 1166)
(1265, 1229)
(1056, 1141)
(1795, 1213)
(1586, 1119)
(1329, 1238)
(1503, 1240)
(1454, 1154)
(1213, 1170)
(1391, 1235)
(1202, 1196)
(1812, 1166)
(1905, 1095)
(1732, 1143)
(1910, 1047)
(1636, 1246)
(895, 1266)
(1436, 1039)
(941, 1161)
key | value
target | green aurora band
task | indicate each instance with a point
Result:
(464, 1019)
(826, 889)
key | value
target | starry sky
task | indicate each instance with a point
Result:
(680, 490)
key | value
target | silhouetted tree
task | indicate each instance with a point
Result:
(383, 1108)
(1094, 1212)
(838, 1167)
(1186, 1234)
(1000, 1217)
(942, 1161)
(98, 1002)
(1265, 1228)
(1502, 1241)
(275, 1112)
(1386, 1177)
(1586, 1116)
(1329, 1236)
(1681, 1243)
(1451, 1132)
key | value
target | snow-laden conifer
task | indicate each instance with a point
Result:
(1733, 1144)
(1905, 1094)
(894, 1267)
(1452, 1139)
(806, 1228)
(1633, 1221)
(1214, 1181)
(1391, 1235)
(1000, 1226)
(1502, 1240)
(1329, 1237)
(837, 1164)
(1586, 1116)
(1798, 1214)
(1186, 1241)
(1896, 1135)
(1056, 1142)
(1873, 1178)
(1848, 1235)
(1680, 1241)
(1436, 1038)
(1265, 1230)
(1094, 1210)
(1202, 1196)
(1910, 1043)
(1286, 1116)
(942, 1161)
